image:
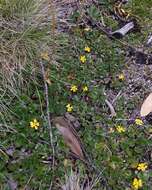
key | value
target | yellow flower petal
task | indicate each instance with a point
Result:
(34, 124)
(87, 49)
(142, 166)
(139, 122)
(74, 88)
(121, 77)
(85, 89)
(69, 108)
(137, 184)
(120, 129)
(83, 58)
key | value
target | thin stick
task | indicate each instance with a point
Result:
(112, 110)
(116, 98)
(28, 182)
(48, 116)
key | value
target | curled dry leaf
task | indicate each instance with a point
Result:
(146, 107)
(70, 136)
(47, 78)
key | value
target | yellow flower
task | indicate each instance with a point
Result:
(69, 108)
(137, 183)
(121, 77)
(34, 124)
(87, 49)
(45, 56)
(83, 58)
(85, 89)
(74, 88)
(120, 129)
(139, 121)
(87, 29)
(142, 166)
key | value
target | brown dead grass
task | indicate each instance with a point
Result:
(75, 182)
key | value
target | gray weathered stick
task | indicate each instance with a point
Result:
(48, 116)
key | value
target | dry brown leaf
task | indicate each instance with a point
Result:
(47, 78)
(45, 56)
(48, 81)
(71, 76)
(70, 136)
(72, 120)
(146, 107)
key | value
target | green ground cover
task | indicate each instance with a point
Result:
(116, 145)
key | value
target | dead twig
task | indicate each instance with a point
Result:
(26, 185)
(117, 96)
(112, 110)
(48, 115)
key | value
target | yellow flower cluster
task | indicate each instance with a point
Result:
(74, 89)
(142, 166)
(139, 122)
(34, 124)
(83, 58)
(137, 184)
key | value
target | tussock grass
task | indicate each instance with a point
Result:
(19, 37)
(22, 30)
(18, 8)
